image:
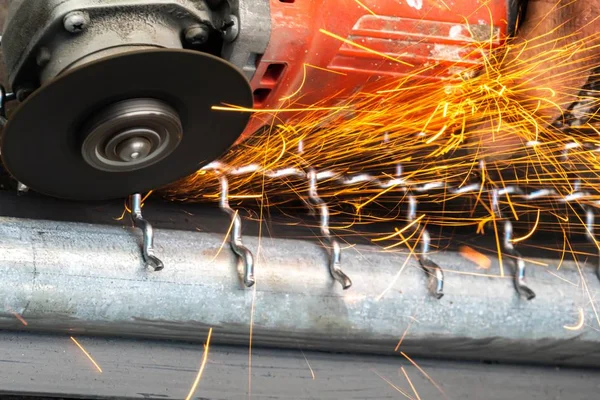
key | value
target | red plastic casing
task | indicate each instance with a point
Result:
(436, 33)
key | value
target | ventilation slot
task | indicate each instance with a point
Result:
(261, 96)
(273, 74)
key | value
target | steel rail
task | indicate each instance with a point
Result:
(79, 278)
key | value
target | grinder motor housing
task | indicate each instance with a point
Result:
(278, 47)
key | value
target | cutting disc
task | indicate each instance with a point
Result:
(46, 144)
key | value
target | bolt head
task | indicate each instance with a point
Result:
(76, 21)
(232, 32)
(197, 35)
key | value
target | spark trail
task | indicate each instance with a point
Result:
(424, 132)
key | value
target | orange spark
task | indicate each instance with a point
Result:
(17, 315)
(561, 278)
(498, 248)
(386, 380)
(579, 324)
(584, 283)
(274, 110)
(452, 271)
(404, 264)
(410, 383)
(528, 235)
(312, 373)
(424, 373)
(326, 69)
(365, 7)
(304, 79)
(225, 240)
(88, 355)
(482, 261)
(201, 370)
(351, 43)
(404, 334)
(399, 231)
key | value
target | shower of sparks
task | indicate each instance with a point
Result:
(579, 324)
(480, 129)
(88, 355)
(202, 365)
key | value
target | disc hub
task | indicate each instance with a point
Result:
(131, 135)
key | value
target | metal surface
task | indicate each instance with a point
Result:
(40, 365)
(111, 27)
(253, 35)
(55, 140)
(130, 135)
(80, 278)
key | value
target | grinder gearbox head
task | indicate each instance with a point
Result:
(112, 103)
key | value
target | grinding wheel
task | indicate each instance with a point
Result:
(125, 124)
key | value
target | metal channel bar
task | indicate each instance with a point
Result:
(52, 366)
(79, 278)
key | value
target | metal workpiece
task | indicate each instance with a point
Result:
(235, 235)
(151, 261)
(5, 98)
(313, 202)
(519, 264)
(507, 245)
(332, 245)
(89, 279)
(590, 217)
(432, 270)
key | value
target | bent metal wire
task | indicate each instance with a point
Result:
(398, 183)
(435, 273)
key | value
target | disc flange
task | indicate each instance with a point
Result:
(43, 141)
